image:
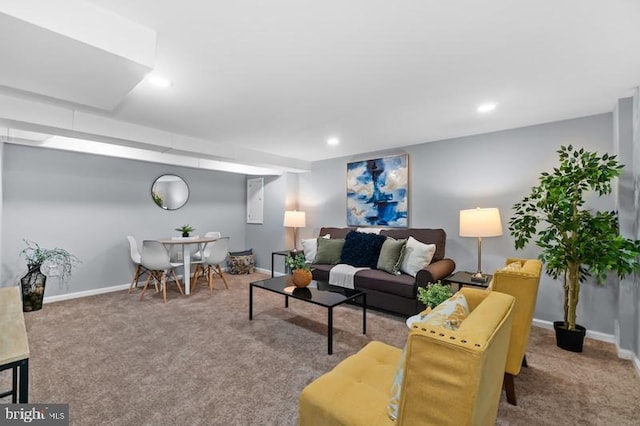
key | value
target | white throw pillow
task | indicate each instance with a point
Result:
(417, 255)
(310, 247)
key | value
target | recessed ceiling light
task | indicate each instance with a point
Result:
(158, 80)
(333, 141)
(488, 107)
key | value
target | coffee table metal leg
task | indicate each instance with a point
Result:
(364, 313)
(24, 382)
(250, 302)
(330, 332)
(286, 301)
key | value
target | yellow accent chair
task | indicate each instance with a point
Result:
(450, 377)
(520, 278)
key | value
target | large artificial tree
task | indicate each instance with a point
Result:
(576, 242)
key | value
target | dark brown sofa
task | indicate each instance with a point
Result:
(395, 293)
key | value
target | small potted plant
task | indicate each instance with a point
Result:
(41, 263)
(185, 229)
(300, 269)
(433, 294)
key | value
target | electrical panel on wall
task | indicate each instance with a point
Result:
(255, 196)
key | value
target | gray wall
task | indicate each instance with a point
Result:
(625, 205)
(636, 211)
(88, 204)
(489, 170)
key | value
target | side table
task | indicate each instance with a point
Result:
(462, 278)
(14, 345)
(278, 253)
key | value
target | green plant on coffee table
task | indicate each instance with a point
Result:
(434, 294)
(297, 261)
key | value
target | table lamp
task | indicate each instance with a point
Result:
(480, 223)
(294, 219)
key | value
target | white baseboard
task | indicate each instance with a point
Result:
(103, 290)
(268, 272)
(636, 364)
(604, 337)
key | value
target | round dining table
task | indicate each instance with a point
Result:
(186, 243)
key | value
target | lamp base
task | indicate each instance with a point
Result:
(479, 278)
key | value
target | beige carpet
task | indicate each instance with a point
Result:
(198, 360)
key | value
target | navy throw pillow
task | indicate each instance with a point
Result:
(362, 250)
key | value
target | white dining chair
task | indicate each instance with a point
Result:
(214, 255)
(135, 258)
(197, 257)
(155, 258)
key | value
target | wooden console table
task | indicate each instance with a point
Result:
(14, 346)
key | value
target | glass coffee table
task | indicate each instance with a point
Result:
(318, 292)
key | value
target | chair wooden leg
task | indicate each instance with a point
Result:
(210, 278)
(136, 276)
(163, 284)
(175, 277)
(222, 276)
(196, 272)
(524, 361)
(146, 284)
(510, 389)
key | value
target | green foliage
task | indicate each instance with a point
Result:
(36, 256)
(297, 262)
(434, 294)
(157, 198)
(576, 243)
(185, 229)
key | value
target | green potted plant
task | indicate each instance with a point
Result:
(576, 242)
(41, 263)
(300, 269)
(185, 229)
(434, 294)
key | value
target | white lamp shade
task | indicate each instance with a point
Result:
(294, 219)
(480, 223)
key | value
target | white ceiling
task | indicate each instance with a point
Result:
(282, 76)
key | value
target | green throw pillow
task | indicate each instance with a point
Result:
(391, 255)
(329, 251)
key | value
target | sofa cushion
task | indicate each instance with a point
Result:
(329, 251)
(424, 235)
(310, 248)
(361, 249)
(449, 314)
(401, 285)
(361, 380)
(335, 232)
(391, 255)
(416, 256)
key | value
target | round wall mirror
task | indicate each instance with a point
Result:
(170, 192)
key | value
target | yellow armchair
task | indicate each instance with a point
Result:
(522, 283)
(450, 378)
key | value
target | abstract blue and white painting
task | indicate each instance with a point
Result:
(378, 192)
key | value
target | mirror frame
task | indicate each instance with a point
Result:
(158, 199)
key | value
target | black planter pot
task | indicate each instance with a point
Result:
(33, 289)
(569, 340)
